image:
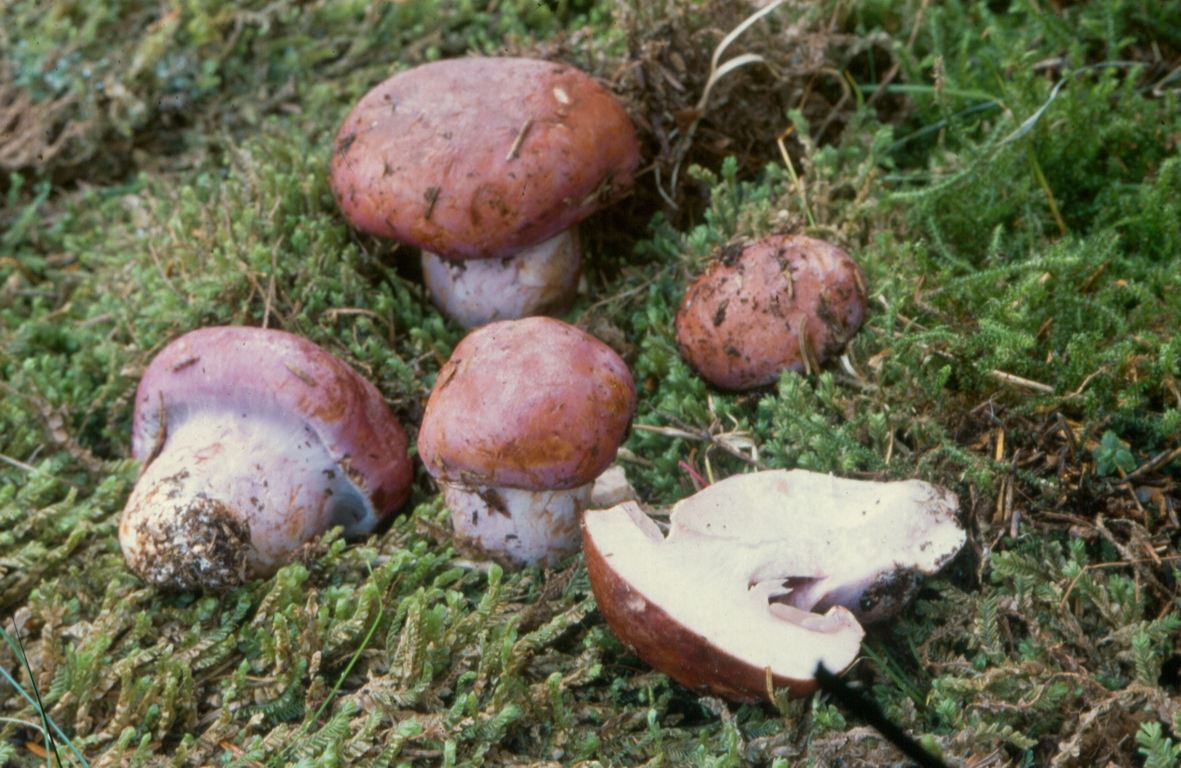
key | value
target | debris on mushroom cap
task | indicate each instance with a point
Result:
(785, 302)
(766, 575)
(481, 157)
(253, 441)
(534, 404)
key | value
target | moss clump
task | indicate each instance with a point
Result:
(84, 85)
(1013, 199)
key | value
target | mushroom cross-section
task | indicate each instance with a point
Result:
(785, 302)
(253, 442)
(763, 576)
(486, 164)
(522, 419)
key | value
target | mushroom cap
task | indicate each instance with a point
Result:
(766, 574)
(245, 369)
(534, 404)
(480, 157)
(741, 323)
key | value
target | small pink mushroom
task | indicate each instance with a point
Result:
(785, 302)
(253, 442)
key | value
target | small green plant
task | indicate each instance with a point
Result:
(1158, 750)
(1112, 455)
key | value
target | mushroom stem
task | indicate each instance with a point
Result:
(538, 280)
(193, 519)
(519, 526)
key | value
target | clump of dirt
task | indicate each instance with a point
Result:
(203, 545)
(667, 63)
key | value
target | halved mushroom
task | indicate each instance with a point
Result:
(764, 576)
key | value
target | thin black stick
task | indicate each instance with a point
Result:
(866, 709)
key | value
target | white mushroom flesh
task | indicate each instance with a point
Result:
(707, 586)
(857, 543)
(775, 568)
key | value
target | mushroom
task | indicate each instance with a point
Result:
(522, 419)
(253, 442)
(487, 165)
(785, 302)
(764, 576)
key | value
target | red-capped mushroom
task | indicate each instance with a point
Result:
(253, 442)
(763, 576)
(486, 164)
(785, 302)
(523, 418)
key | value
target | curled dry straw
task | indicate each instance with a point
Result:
(32, 132)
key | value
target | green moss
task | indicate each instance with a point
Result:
(999, 353)
(1066, 138)
(101, 78)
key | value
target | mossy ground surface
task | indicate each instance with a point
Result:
(1008, 173)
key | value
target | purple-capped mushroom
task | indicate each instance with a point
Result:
(253, 442)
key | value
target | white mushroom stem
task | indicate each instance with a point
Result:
(232, 496)
(515, 525)
(539, 280)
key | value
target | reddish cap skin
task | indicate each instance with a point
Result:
(670, 646)
(740, 323)
(534, 404)
(261, 369)
(481, 157)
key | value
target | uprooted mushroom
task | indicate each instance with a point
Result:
(764, 576)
